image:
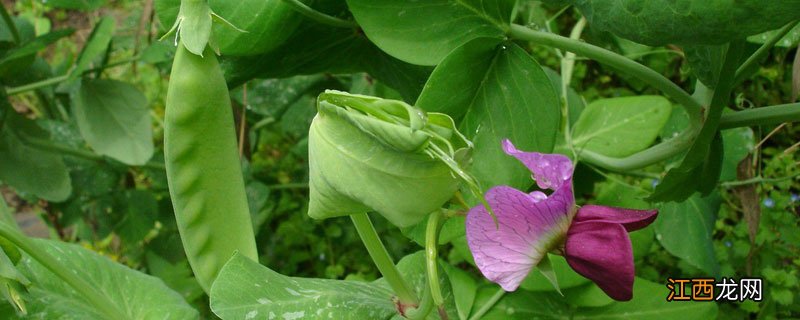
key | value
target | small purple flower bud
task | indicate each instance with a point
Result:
(769, 203)
(795, 197)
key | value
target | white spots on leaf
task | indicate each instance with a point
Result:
(251, 315)
(263, 300)
(271, 315)
(293, 315)
(292, 292)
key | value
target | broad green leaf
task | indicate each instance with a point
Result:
(424, 32)
(587, 295)
(567, 278)
(619, 127)
(84, 5)
(95, 46)
(649, 303)
(27, 168)
(503, 93)
(267, 24)
(706, 62)
(246, 290)
(522, 304)
(315, 48)
(138, 295)
(685, 229)
(658, 22)
(113, 118)
(738, 143)
(451, 228)
(464, 288)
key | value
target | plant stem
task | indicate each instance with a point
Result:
(432, 257)
(755, 180)
(613, 60)
(488, 305)
(84, 288)
(567, 67)
(382, 259)
(742, 71)
(37, 85)
(319, 16)
(761, 116)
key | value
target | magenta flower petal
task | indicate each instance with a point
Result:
(631, 219)
(528, 227)
(551, 171)
(601, 251)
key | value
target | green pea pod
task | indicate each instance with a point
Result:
(372, 154)
(203, 166)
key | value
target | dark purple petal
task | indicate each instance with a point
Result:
(529, 225)
(551, 171)
(631, 219)
(601, 251)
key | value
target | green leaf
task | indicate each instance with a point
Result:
(95, 46)
(315, 48)
(738, 143)
(28, 169)
(522, 304)
(267, 24)
(685, 229)
(139, 217)
(649, 303)
(503, 93)
(464, 288)
(619, 127)
(567, 278)
(706, 62)
(425, 32)
(138, 295)
(246, 290)
(587, 295)
(114, 119)
(659, 22)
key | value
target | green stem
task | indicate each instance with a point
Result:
(755, 180)
(424, 308)
(743, 70)
(761, 116)
(10, 24)
(319, 16)
(488, 305)
(613, 60)
(567, 67)
(36, 85)
(92, 295)
(432, 256)
(382, 259)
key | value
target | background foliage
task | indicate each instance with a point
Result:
(98, 182)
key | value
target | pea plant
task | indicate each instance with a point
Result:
(515, 190)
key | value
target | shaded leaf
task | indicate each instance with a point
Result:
(685, 230)
(113, 118)
(503, 94)
(619, 127)
(425, 32)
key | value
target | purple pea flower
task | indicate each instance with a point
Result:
(594, 239)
